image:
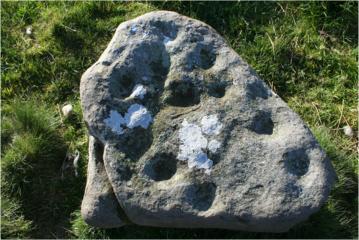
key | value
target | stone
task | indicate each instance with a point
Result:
(190, 137)
(99, 206)
(28, 30)
(67, 110)
(348, 131)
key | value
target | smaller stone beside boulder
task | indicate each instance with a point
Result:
(99, 206)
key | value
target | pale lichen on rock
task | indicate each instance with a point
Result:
(139, 91)
(211, 125)
(193, 143)
(214, 145)
(136, 116)
(114, 121)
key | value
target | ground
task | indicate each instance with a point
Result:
(306, 51)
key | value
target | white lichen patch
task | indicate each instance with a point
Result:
(193, 144)
(137, 115)
(192, 141)
(139, 91)
(211, 125)
(201, 162)
(115, 121)
(213, 146)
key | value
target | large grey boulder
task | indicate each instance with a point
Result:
(188, 135)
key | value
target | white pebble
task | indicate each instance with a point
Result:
(29, 30)
(67, 110)
(348, 131)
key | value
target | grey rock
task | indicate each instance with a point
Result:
(192, 137)
(99, 206)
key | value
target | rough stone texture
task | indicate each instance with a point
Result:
(99, 206)
(192, 137)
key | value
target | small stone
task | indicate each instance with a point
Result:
(348, 131)
(28, 30)
(67, 110)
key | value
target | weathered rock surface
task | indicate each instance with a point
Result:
(190, 136)
(99, 206)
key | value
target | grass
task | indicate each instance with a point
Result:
(32, 156)
(13, 224)
(307, 52)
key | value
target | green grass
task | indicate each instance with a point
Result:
(33, 151)
(307, 52)
(13, 224)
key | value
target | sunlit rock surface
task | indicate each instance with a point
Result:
(190, 137)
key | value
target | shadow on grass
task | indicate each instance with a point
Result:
(32, 169)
